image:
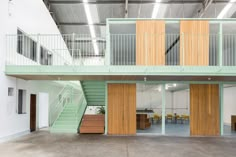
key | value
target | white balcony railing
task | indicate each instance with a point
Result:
(82, 50)
(69, 49)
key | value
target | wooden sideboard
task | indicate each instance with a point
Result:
(142, 121)
(233, 122)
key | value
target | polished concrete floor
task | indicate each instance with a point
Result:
(178, 129)
(44, 144)
(170, 129)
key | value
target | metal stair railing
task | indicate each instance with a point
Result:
(58, 104)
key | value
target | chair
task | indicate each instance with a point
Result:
(179, 118)
(169, 117)
(185, 117)
(156, 117)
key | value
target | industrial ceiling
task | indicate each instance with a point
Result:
(70, 15)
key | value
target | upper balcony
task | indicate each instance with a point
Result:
(139, 47)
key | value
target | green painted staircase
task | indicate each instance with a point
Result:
(69, 119)
(94, 92)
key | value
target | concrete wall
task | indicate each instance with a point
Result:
(32, 17)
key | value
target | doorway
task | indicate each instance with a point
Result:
(32, 112)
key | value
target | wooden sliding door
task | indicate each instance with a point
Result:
(194, 43)
(204, 109)
(122, 109)
(150, 42)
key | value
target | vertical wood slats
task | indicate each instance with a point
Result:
(204, 109)
(194, 43)
(122, 109)
(150, 42)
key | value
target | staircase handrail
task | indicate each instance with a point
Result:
(57, 105)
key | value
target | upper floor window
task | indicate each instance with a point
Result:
(45, 56)
(26, 46)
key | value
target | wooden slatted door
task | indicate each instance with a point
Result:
(121, 109)
(150, 42)
(204, 109)
(194, 43)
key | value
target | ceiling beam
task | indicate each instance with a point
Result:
(80, 24)
(126, 8)
(205, 4)
(132, 2)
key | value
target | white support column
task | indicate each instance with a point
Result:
(163, 100)
(221, 108)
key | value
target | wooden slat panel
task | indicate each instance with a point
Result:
(150, 43)
(122, 109)
(204, 109)
(92, 130)
(92, 124)
(115, 109)
(194, 43)
(129, 109)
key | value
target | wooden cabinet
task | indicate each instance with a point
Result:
(142, 121)
(92, 124)
(233, 122)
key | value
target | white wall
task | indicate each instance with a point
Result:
(176, 102)
(181, 102)
(43, 108)
(32, 17)
(229, 104)
(152, 98)
(91, 110)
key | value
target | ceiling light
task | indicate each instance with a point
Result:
(225, 9)
(166, 87)
(174, 84)
(156, 8)
(91, 28)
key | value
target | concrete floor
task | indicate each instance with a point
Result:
(171, 129)
(44, 144)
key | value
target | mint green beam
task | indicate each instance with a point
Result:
(222, 109)
(106, 113)
(163, 100)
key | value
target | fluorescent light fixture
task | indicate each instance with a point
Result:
(174, 84)
(91, 28)
(225, 9)
(156, 8)
(166, 87)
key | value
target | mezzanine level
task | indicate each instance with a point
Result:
(132, 49)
